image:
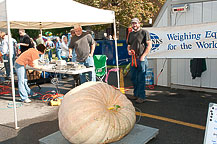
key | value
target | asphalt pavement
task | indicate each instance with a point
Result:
(180, 115)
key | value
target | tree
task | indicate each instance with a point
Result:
(32, 33)
(125, 10)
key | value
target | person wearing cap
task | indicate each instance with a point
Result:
(139, 45)
(84, 46)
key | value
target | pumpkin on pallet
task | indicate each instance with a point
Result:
(95, 112)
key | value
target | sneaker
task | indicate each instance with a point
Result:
(27, 100)
(20, 100)
(35, 94)
(139, 100)
(131, 97)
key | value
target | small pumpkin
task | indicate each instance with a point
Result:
(95, 112)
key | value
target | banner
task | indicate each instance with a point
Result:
(191, 41)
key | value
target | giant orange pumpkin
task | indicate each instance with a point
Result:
(95, 112)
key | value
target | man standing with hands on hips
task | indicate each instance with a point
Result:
(139, 46)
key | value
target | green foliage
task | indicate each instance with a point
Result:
(58, 31)
(125, 10)
(15, 34)
(34, 33)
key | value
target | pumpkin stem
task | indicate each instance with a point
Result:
(116, 107)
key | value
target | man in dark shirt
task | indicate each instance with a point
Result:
(25, 42)
(139, 45)
(84, 46)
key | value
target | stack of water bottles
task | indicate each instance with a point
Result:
(149, 79)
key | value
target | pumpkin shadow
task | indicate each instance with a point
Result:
(32, 133)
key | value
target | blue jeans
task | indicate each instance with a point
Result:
(7, 64)
(58, 54)
(138, 78)
(74, 56)
(1, 78)
(91, 75)
(23, 87)
(50, 54)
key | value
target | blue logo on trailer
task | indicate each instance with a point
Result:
(156, 41)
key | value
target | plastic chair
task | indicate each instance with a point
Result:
(100, 66)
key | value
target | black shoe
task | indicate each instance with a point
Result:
(7, 78)
(140, 101)
(131, 97)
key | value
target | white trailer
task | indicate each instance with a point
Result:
(176, 72)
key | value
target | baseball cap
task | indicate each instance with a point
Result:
(135, 20)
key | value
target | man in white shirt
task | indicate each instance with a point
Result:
(5, 52)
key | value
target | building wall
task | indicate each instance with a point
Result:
(177, 71)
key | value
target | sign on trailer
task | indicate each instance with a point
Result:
(211, 125)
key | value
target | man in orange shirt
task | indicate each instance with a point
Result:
(29, 57)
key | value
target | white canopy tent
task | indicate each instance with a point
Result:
(47, 14)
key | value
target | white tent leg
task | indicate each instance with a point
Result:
(116, 52)
(11, 69)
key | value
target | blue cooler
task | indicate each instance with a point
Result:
(107, 47)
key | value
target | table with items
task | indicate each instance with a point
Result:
(59, 67)
(63, 67)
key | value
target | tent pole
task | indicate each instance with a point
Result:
(116, 52)
(40, 31)
(11, 67)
